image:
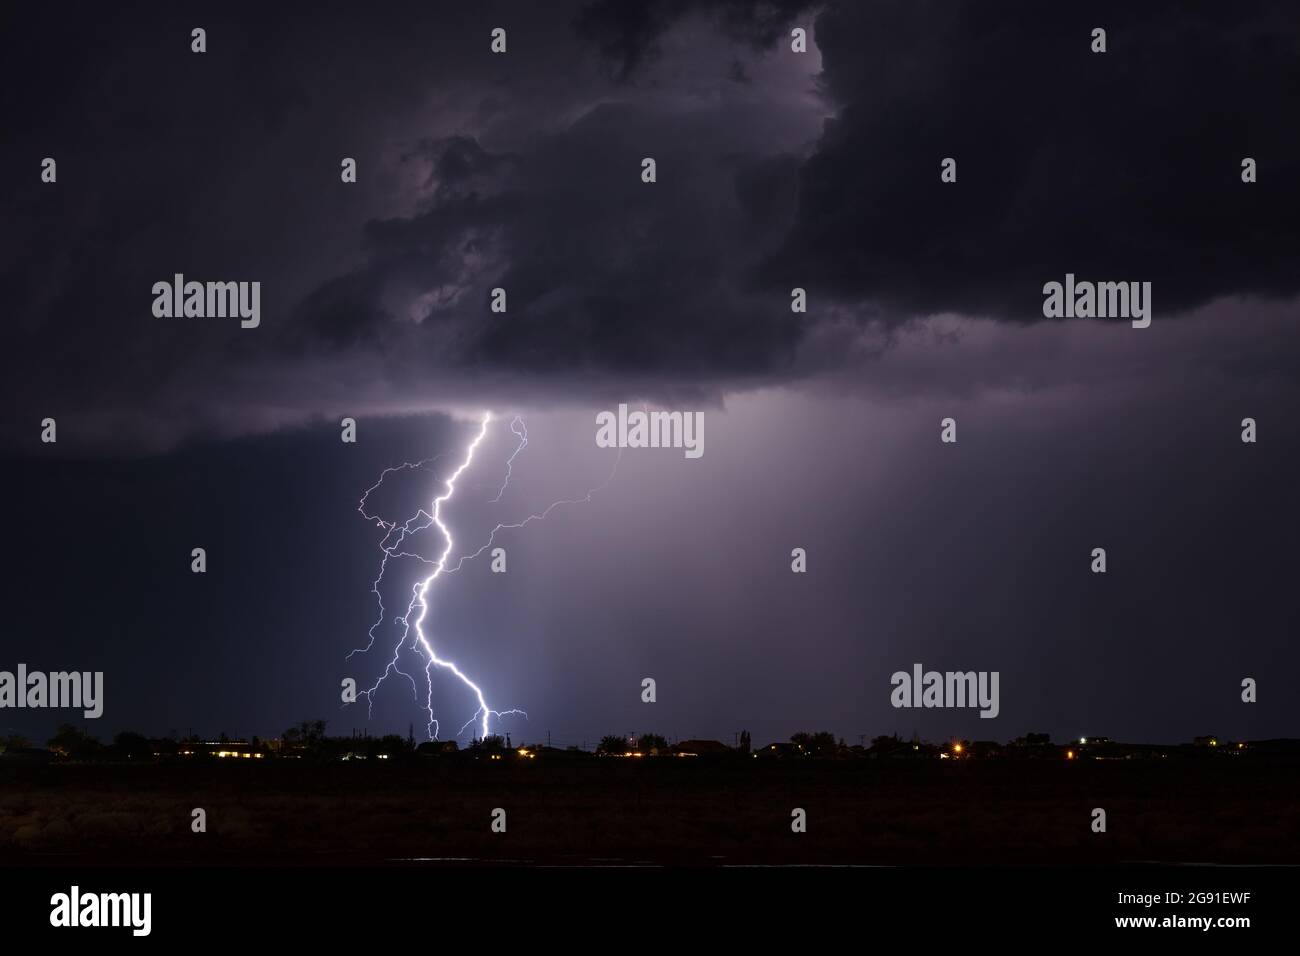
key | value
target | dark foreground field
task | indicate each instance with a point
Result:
(663, 811)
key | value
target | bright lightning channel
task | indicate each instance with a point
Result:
(420, 593)
(395, 536)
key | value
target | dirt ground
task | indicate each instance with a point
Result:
(667, 811)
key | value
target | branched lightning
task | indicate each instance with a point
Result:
(522, 434)
(539, 516)
(395, 537)
(389, 528)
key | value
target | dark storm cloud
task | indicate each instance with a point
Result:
(628, 34)
(1121, 166)
(475, 170)
(605, 275)
(523, 172)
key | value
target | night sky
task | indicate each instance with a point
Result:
(775, 170)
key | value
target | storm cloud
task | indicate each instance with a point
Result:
(775, 170)
(1121, 165)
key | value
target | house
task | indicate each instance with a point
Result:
(221, 748)
(778, 752)
(701, 748)
(434, 748)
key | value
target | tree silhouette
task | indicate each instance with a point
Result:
(133, 746)
(488, 745)
(611, 744)
(820, 744)
(310, 734)
(71, 742)
(886, 745)
(651, 742)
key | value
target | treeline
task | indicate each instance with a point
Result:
(308, 740)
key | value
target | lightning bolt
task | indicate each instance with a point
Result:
(389, 527)
(522, 434)
(539, 516)
(395, 537)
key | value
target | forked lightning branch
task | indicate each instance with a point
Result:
(411, 624)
